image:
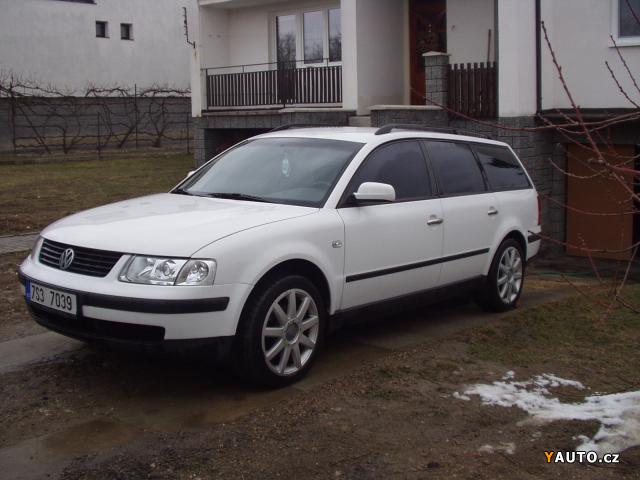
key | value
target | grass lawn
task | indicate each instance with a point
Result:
(32, 196)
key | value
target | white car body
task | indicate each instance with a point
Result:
(248, 239)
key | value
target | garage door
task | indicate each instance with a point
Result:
(598, 194)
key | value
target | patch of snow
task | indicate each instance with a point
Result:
(460, 396)
(508, 448)
(509, 375)
(618, 414)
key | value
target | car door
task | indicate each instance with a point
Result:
(469, 210)
(391, 249)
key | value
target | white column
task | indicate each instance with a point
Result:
(517, 58)
(348, 10)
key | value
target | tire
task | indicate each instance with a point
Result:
(503, 286)
(274, 346)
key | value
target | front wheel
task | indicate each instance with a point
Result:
(281, 332)
(503, 285)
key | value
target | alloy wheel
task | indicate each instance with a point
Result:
(510, 273)
(290, 332)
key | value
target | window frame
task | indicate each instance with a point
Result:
(615, 28)
(130, 27)
(299, 21)
(106, 28)
(346, 200)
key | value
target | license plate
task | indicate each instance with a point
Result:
(55, 299)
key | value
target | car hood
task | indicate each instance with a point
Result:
(166, 224)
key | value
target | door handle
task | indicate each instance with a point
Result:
(492, 211)
(433, 220)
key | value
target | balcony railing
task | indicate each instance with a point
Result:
(273, 84)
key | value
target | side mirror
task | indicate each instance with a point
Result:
(190, 173)
(375, 192)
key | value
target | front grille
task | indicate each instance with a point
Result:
(86, 261)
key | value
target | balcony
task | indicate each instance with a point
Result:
(273, 85)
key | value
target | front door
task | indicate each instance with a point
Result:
(391, 249)
(427, 33)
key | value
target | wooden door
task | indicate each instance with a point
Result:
(427, 33)
(599, 195)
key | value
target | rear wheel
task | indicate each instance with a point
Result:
(281, 332)
(503, 286)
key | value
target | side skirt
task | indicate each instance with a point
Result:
(382, 308)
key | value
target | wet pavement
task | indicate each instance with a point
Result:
(200, 397)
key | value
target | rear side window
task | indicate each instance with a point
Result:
(456, 168)
(401, 165)
(503, 170)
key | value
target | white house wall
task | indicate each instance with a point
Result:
(468, 25)
(579, 31)
(55, 42)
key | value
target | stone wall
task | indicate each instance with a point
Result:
(63, 124)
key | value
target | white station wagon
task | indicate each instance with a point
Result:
(260, 250)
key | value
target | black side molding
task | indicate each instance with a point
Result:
(533, 238)
(412, 266)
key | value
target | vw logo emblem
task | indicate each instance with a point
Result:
(66, 259)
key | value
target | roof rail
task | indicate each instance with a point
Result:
(424, 128)
(291, 126)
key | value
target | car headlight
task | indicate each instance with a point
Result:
(168, 271)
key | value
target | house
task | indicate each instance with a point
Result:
(259, 64)
(121, 66)
(75, 44)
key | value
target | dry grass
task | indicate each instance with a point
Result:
(32, 196)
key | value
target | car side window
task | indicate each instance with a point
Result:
(456, 168)
(399, 164)
(503, 170)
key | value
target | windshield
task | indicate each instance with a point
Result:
(296, 171)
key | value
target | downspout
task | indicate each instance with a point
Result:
(538, 57)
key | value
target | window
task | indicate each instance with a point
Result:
(310, 37)
(401, 165)
(502, 169)
(313, 26)
(335, 35)
(456, 168)
(102, 29)
(126, 31)
(286, 38)
(628, 18)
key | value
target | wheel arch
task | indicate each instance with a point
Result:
(297, 266)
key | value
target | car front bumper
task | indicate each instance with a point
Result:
(108, 309)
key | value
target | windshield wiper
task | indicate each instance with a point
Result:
(238, 196)
(182, 191)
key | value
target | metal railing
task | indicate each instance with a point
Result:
(271, 84)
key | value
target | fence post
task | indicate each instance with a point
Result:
(188, 135)
(98, 138)
(135, 107)
(436, 66)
